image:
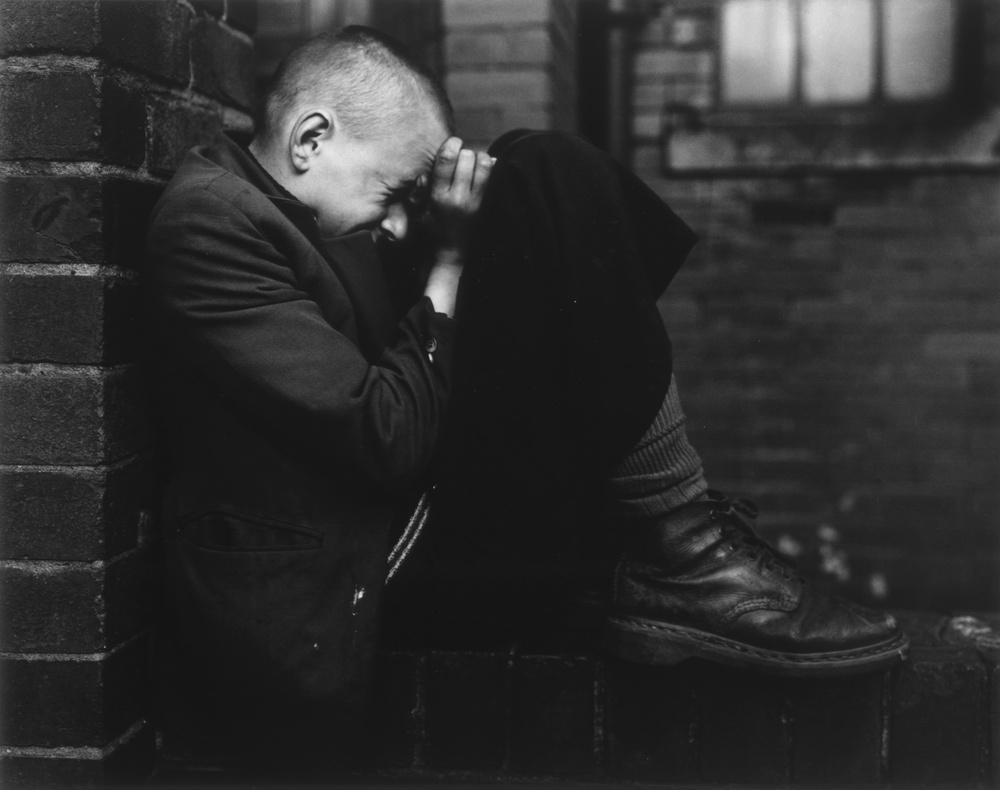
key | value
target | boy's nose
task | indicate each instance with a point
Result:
(395, 223)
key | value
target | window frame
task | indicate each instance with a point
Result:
(798, 109)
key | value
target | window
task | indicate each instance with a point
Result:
(836, 52)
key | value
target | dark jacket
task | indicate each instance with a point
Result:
(294, 405)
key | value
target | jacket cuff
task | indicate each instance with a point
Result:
(436, 330)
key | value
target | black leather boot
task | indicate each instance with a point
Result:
(700, 582)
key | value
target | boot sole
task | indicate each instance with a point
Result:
(645, 641)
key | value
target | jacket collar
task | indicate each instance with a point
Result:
(232, 154)
(353, 258)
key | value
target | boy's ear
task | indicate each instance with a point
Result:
(311, 130)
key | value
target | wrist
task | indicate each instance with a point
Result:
(442, 285)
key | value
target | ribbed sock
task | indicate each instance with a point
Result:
(663, 471)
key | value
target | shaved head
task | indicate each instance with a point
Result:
(367, 79)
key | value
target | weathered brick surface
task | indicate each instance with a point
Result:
(508, 87)
(76, 416)
(552, 715)
(498, 47)
(651, 722)
(126, 208)
(741, 729)
(127, 763)
(123, 125)
(174, 130)
(466, 710)
(70, 513)
(939, 719)
(836, 729)
(105, 97)
(510, 65)
(222, 62)
(473, 13)
(59, 607)
(72, 702)
(396, 709)
(51, 219)
(71, 317)
(61, 110)
(74, 220)
(68, 26)
(151, 35)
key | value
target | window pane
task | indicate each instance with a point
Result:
(919, 37)
(838, 51)
(758, 51)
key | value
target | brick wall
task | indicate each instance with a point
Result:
(510, 64)
(98, 102)
(837, 329)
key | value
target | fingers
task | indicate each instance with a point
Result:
(461, 183)
(444, 166)
(458, 181)
(481, 174)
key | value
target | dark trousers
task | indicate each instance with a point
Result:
(563, 362)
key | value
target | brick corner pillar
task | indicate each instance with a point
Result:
(99, 100)
(510, 64)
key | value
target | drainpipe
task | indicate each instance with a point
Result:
(625, 18)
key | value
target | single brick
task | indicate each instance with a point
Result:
(494, 47)
(52, 607)
(127, 206)
(395, 711)
(836, 728)
(552, 715)
(151, 35)
(740, 726)
(58, 701)
(130, 585)
(242, 15)
(887, 219)
(963, 345)
(513, 88)
(129, 761)
(222, 62)
(474, 13)
(651, 722)
(69, 26)
(74, 607)
(123, 125)
(939, 718)
(175, 129)
(61, 110)
(51, 219)
(57, 415)
(74, 220)
(70, 513)
(73, 317)
(51, 318)
(466, 710)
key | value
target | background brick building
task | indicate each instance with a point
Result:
(837, 329)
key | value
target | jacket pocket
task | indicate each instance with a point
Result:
(224, 530)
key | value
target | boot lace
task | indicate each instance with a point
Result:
(736, 518)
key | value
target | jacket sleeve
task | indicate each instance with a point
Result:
(225, 300)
